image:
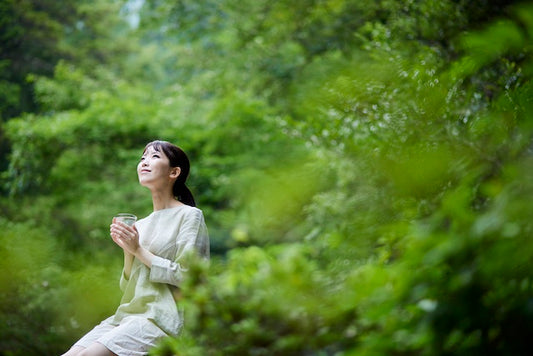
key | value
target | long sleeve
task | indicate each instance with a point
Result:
(191, 237)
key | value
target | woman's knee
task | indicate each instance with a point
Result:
(96, 349)
(74, 351)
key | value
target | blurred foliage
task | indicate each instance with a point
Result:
(364, 167)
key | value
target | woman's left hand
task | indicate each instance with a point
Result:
(127, 237)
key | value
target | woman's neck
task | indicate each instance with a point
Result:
(164, 200)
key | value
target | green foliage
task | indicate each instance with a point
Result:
(30, 36)
(364, 168)
(409, 251)
(43, 305)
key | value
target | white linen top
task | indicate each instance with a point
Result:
(169, 234)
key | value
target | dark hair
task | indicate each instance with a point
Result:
(177, 158)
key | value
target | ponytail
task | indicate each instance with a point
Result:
(183, 194)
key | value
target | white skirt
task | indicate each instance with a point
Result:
(134, 336)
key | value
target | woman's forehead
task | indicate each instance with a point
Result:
(151, 148)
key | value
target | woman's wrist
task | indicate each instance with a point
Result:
(144, 256)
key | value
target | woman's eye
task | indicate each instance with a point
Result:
(156, 156)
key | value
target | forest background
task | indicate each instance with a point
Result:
(365, 168)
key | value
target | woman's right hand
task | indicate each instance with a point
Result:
(125, 236)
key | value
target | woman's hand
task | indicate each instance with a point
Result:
(126, 237)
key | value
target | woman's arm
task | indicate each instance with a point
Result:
(128, 261)
(144, 256)
(192, 239)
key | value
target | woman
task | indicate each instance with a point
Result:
(153, 249)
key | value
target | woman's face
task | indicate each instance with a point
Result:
(154, 168)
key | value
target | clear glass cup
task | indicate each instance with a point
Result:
(128, 219)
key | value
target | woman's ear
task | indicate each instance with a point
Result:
(175, 172)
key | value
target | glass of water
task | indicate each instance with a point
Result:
(128, 219)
